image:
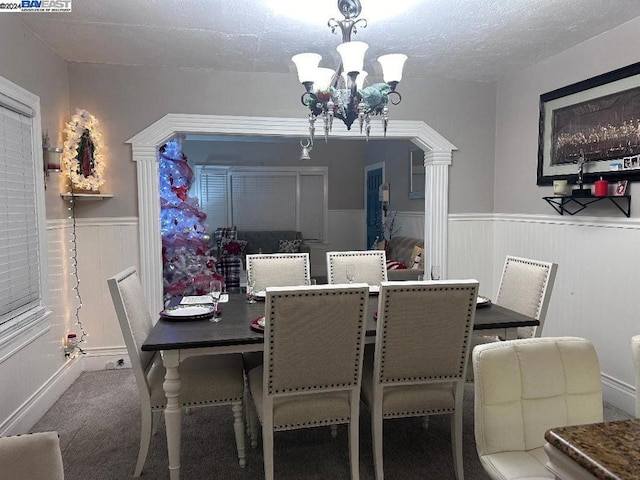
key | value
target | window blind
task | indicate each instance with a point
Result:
(213, 198)
(264, 200)
(312, 206)
(19, 240)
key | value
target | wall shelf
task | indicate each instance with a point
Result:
(86, 196)
(572, 205)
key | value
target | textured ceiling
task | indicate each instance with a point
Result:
(477, 40)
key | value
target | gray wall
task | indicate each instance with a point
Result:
(517, 114)
(344, 158)
(29, 63)
(128, 99)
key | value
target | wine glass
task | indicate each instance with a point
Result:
(251, 283)
(351, 272)
(215, 290)
(435, 272)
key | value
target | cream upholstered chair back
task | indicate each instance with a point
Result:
(370, 266)
(422, 348)
(32, 456)
(525, 287)
(135, 321)
(313, 354)
(424, 331)
(314, 338)
(635, 350)
(278, 270)
(525, 387)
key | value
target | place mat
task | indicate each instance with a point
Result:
(257, 324)
(482, 302)
(190, 312)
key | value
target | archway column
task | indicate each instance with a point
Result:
(436, 209)
(145, 146)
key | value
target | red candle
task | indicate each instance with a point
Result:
(602, 188)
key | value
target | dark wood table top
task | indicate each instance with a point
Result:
(608, 450)
(237, 314)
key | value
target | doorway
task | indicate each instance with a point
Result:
(374, 177)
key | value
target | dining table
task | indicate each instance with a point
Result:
(177, 340)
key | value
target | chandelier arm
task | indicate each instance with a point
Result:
(391, 99)
(307, 95)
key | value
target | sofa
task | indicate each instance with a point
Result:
(401, 249)
(257, 241)
(267, 241)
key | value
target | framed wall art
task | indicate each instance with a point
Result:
(591, 126)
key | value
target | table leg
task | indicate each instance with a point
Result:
(173, 412)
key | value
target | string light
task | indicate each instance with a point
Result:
(73, 352)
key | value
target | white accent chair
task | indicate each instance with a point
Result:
(525, 287)
(421, 354)
(206, 380)
(522, 389)
(32, 456)
(635, 350)
(314, 340)
(278, 270)
(370, 266)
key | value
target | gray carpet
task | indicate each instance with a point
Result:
(98, 420)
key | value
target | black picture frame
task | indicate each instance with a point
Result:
(595, 122)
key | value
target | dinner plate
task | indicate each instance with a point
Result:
(374, 289)
(257, 324)
(189, 312)
(482, 302)
(260, 294)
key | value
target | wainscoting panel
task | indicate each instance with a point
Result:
(595, 293)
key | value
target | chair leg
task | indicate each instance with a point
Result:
(145, 440)
(354, 446)
(156, 420)
(267, 450)
(253, 424)
(456, 441)
(376, 430)
(238, 426)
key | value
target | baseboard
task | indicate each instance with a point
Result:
(25, 417)
(108, 358)
(619, 394)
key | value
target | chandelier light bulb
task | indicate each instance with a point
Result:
(352, 55)
(322, 78)
(362, 76)
(306, 64)
(392, 66)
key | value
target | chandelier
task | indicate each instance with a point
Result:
(341, 93)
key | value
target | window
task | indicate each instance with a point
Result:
(278, 198)
(21, 216)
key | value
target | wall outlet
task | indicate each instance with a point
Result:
(110, 366)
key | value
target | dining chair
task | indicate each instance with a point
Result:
(370, 266)
(522, 389)
(206, 380)
(278, 270)
(421, 351)
(525, 287)
(31, 456)
(635, 350)
(314, 339)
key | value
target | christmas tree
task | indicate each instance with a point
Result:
(188, 269)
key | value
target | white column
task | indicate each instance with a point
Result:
(436, 209)
(149, 225)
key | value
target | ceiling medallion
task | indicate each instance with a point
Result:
(341, 93)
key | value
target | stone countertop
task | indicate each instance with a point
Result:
(609, 450)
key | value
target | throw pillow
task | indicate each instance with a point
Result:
(231, 247)
(417, 256)
(289, 246)
(393, 265)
